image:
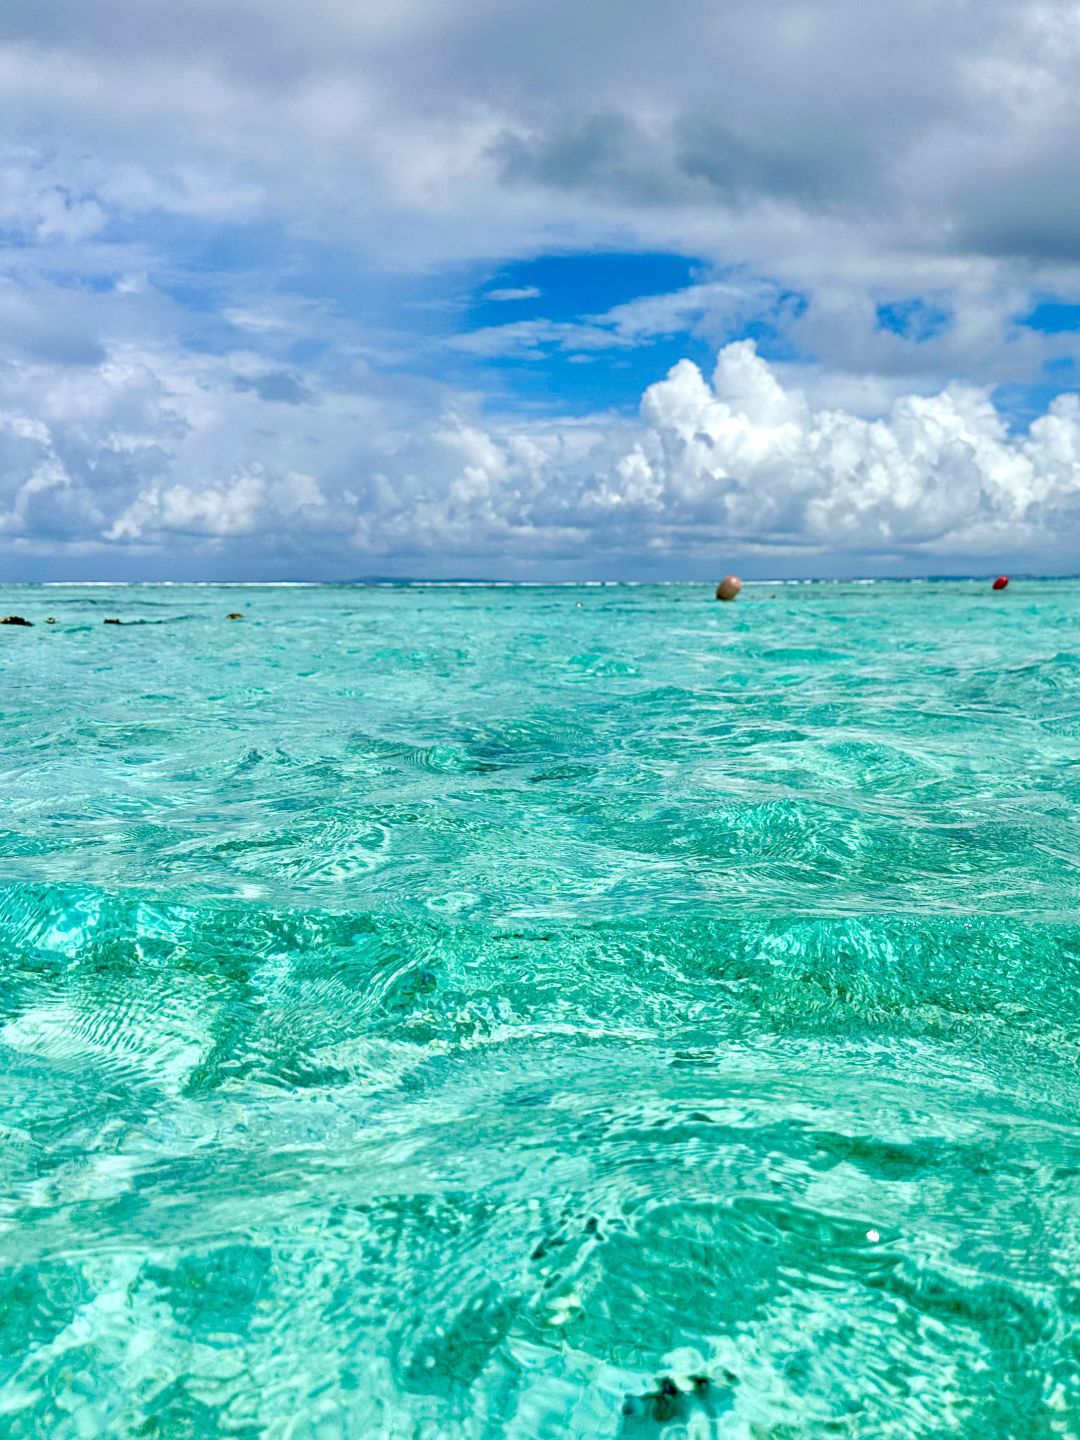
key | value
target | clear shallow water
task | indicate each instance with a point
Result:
(457, 1013)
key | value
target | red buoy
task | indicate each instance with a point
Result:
(1001, 582)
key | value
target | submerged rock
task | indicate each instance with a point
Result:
(236, 615)
(15, 620)
(691, 1400)
(112, 622)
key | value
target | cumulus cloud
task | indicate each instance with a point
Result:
(884, 189)
(937, 474)
(242, 505)
(737, 463)
(744, 463)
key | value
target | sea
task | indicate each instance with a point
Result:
(457, 1012)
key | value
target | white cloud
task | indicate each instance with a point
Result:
(520, 292)
(152, 459)
(712, 309)
(36, 206)
(248, 502)
(791, 138)
(821, 161)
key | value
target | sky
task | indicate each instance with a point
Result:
(539, 290)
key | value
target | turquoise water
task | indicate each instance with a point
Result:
(541, 1012)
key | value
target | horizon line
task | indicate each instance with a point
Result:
(415, 581)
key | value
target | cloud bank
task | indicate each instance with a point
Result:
(218, 354)
(134, 461)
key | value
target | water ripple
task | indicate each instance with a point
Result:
(468, 1013)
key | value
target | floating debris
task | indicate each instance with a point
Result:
(236, 615)
(15, 620)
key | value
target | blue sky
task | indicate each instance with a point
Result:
(528, 291)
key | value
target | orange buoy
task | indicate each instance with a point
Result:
(728, 588)
(1001, 582)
